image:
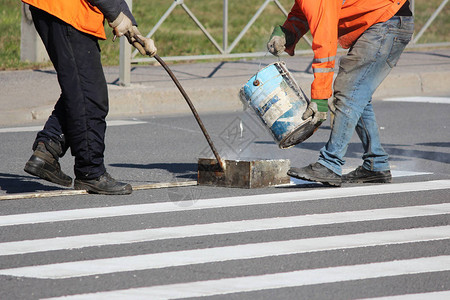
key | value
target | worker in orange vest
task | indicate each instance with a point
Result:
(70, 30)
(376, 33)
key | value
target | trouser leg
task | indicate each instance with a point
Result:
(361, 71)
(374, 156)
(79, 115)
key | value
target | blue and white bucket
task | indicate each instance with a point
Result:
(279, 103)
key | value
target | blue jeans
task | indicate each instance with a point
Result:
(361, 71)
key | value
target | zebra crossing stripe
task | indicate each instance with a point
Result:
(228, 253)
(277, 280)
(151, 208)
(153, 234)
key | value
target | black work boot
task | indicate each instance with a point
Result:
(362, 175)
(104, 184)
(316, 172)
(44, 165)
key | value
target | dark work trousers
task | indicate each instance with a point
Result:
(78, 119)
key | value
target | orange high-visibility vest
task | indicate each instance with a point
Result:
(332, 22)
(78, 13)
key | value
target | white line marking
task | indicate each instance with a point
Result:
(277, 280)
(151, 208)
(395, 174)
(220, 254)
(444, 295)
(68, 192)
(146, 235)
(39, 127)
(435, 100)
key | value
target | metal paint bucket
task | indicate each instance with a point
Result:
(279, 103)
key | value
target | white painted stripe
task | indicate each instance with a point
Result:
(59, 193)
(220, 254)
(436, 100)
(394, 173)
(443, 295)
(68, 192)
(398, 173)
(38, 128)
(151, 208)
(277, 280)
(126, 237)
(309, 195)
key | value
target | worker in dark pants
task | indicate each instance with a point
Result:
(376, 33)
(70, 30)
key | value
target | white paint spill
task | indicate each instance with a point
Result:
(241, 127)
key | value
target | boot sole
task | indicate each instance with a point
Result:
(46, 175)
(93, 190)
(324, 181)
(369, 180)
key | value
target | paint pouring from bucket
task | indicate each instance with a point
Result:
(243, 173)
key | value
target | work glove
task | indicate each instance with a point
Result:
(122, 26)
(279, 39)
(317, 109)
(145, 45)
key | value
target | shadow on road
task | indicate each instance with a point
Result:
(13, 183)
(397, 152)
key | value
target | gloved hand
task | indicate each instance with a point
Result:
(146, 46)
(277, 41)
(122, 25)
(317, 109)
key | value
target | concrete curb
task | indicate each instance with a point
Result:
(147, 101)
(143, 101)
(29, 96)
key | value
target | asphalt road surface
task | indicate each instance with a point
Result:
(297, 241)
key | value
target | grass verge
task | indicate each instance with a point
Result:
(178, 35)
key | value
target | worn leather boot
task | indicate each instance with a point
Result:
(104, 184)
(316, 172)
(44, 165)
(361, 175)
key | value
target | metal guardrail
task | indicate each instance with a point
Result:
(429, 21)
(127, 57)
(225, 50)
